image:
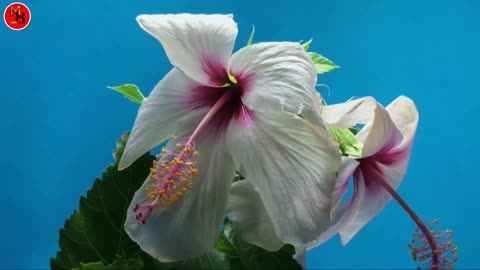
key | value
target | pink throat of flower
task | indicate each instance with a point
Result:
(232, 93)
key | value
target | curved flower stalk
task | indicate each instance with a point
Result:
(228, 113)
(383, 147)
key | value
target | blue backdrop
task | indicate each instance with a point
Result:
(59, 121)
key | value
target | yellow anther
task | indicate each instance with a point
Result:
(163, 164)
(187, 149)
(173, 137)
(196, 154)
(194, 172)
(178, 145)
(164, 151)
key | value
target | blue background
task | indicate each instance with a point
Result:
(60, 123)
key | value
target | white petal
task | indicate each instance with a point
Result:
(294, 166)
(200, 45)
(405, 116)
(374, 199)
(159, 115)
(347, 168)
(276, 76)
(189, 227)
(246, 209)
(349, 114)
(379, 130)
(343, 214)
(378, 134)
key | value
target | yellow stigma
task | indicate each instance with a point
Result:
(173, 175)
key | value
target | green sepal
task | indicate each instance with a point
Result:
(349, 144)
(322, 64)
(250, 39)
(130, 91)
(306, 45)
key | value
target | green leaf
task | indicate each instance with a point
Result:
(253, 257)
(250, 40)
(322, 64)
(129, 91)
(121, 143)
(306, 45)
(118, 264)
(95, 232)
(212, 260)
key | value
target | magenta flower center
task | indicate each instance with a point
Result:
(233, 109)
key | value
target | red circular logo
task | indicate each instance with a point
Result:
(17, 16)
